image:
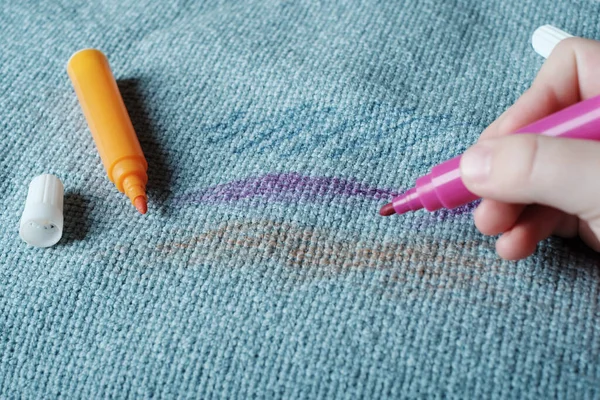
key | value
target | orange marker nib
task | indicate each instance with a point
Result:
(387, 210)
(140, 204)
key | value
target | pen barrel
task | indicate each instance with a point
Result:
(579, 121)
(108, 120)
(443, 186)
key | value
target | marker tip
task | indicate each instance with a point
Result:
(387, 210)
(140, 204)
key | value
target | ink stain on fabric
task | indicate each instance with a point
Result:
(285, 187)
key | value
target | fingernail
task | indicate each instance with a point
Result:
(476, 163)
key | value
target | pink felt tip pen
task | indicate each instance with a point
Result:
(443, 187)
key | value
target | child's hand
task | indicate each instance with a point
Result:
(535, 186)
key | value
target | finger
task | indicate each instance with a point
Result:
(589, 236)
(494, 217)
(568, 76)
(568, 227)
(526, 169)
(535, 224)
(565, 78)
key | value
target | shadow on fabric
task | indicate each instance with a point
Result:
(159, 172)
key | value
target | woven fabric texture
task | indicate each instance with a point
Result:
(274, 131)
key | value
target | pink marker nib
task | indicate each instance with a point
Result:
(387, 210)
(140, 204)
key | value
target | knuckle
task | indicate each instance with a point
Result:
(567, 46)
(507, 122)
(521, 161)
(531, 146)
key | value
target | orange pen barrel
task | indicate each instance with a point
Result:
(110, 124)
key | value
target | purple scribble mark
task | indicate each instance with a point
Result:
(291, 187)
(285, 187)
(466, 209)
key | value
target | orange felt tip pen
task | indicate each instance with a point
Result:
(109, 122)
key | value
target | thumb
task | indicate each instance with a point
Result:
(525, 169)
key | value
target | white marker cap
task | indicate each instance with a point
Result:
(545, 38)
(42, 220)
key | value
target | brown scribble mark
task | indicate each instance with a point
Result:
(330, 252)
(409, 268)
